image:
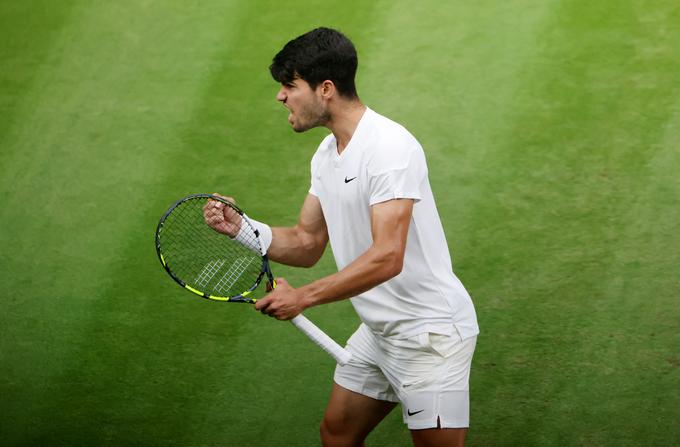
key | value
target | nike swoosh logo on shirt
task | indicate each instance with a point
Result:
(349, 180)
(414, 413)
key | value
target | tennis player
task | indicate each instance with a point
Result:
(370, 196)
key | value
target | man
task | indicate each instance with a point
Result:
(370, 196)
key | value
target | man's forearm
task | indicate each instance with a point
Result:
(374, 267)
(292, 246)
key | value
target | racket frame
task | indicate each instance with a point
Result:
(243, 297)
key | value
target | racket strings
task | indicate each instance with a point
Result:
(206, 260)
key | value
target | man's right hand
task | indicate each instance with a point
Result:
(222, 218)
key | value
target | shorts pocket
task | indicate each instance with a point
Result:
(444, 345)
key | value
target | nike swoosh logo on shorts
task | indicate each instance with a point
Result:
(414, 413)
(349, 180)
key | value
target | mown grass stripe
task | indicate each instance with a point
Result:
(83, 166)
(574, 158)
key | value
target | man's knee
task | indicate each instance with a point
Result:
(334, 433)
(326, 433)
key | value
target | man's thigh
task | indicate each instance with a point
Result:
(350, 417)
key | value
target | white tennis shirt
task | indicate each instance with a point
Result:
(383, 161)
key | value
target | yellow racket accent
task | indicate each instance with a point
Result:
(197, 292)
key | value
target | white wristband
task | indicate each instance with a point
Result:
(265, 236)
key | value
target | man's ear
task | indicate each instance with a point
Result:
(327, 89)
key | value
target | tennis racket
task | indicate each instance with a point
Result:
(217, 267)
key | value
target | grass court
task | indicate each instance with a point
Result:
(552, 131)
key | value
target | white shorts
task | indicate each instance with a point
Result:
(428, 373)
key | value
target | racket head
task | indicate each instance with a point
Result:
(206, 262)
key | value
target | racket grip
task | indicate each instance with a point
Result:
(319, 337)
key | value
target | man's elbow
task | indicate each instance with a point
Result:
(313, 251)
(309, 261)
(393, 265)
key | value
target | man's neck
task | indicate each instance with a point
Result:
(344, 122)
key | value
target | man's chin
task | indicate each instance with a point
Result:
(300, 128)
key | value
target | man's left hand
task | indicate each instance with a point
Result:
(283, 303)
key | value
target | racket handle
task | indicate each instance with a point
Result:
(319, 337)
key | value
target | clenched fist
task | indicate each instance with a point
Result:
(222, 218)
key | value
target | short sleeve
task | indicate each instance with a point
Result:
(397, 172)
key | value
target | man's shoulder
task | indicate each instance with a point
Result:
(382, 123)
(391, 136)
(386, 132)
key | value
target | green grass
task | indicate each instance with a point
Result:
(552, 132)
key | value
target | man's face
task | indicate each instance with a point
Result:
(307, 108)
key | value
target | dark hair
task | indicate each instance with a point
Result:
(316, 56)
